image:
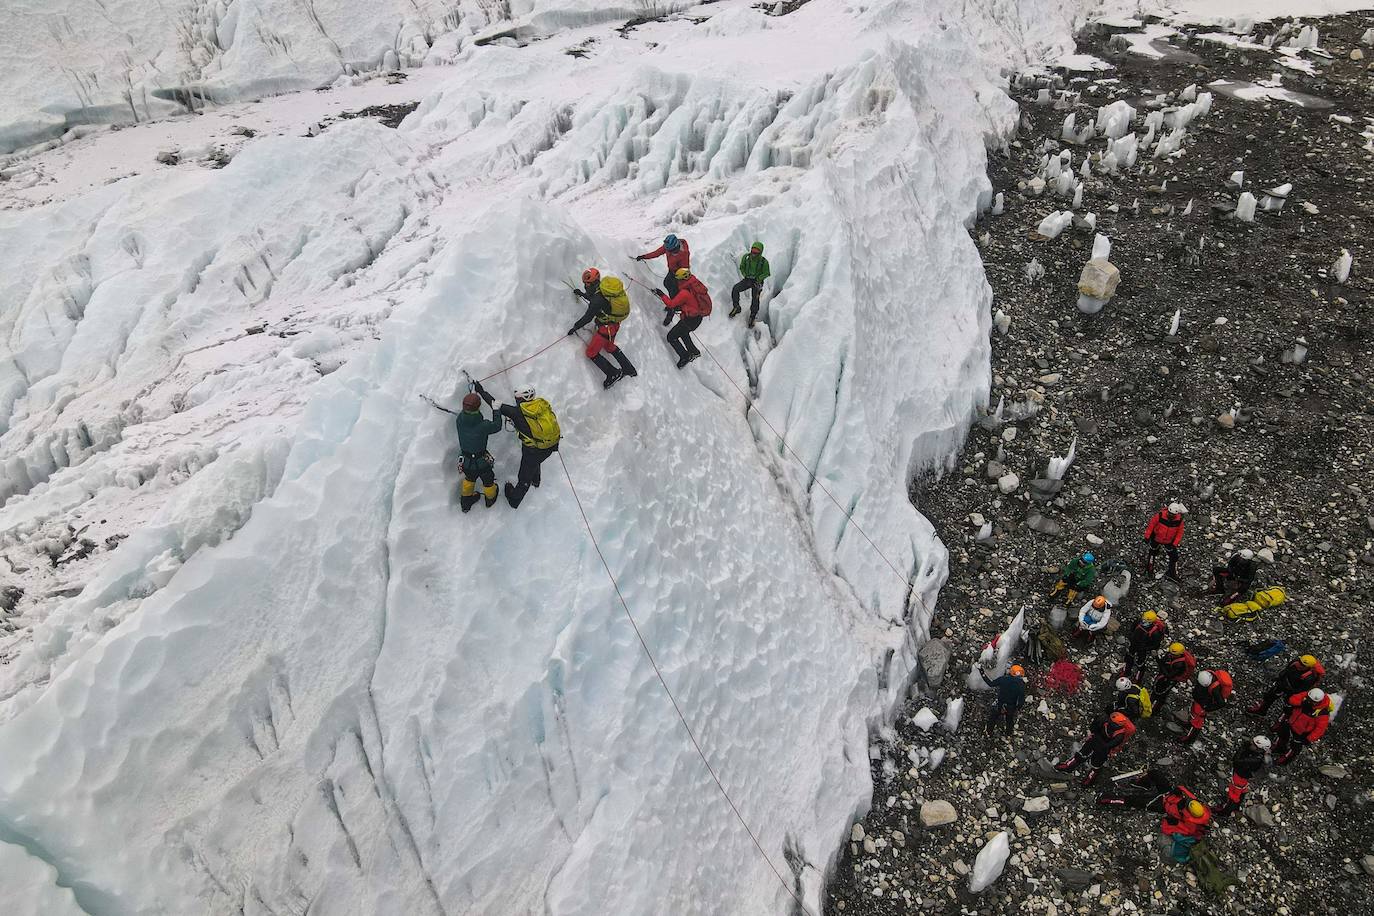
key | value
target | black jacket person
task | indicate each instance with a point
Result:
(477, 464)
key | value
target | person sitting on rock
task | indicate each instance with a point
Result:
(1093, 618)
(1236, 578)
(1075, 576)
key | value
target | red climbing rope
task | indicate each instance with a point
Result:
(538, 352)
(696, 745)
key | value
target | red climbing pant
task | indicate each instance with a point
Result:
(602, 339)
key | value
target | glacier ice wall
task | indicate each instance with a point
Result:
(305, 680)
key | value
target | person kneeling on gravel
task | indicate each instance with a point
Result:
(1106, 739)
(1236, 578)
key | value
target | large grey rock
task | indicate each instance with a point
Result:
(937, 813)
(934, 657)
(1036, 805)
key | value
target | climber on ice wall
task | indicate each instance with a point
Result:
(475, 461)
(608, 305)
(753, 270)
(537, 427)
(679, 257)
(692, 303)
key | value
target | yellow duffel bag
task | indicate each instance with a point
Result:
(1242, 610)
(1270, 597)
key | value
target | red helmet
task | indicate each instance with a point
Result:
(1120, 718)
(591, 275)
(471, 401)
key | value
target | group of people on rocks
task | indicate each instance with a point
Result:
(1305, 707)
(607, 300)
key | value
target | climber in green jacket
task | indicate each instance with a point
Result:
(476, 462)
(753, 268)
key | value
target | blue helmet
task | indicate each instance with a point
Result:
(1089, 558)
(672, 243)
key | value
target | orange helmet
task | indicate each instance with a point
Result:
(1018, 671)
(1120, 718)
(591, 275)
(1099, 602)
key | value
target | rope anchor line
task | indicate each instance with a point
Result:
(658, 673)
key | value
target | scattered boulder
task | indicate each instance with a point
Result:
(937, 813)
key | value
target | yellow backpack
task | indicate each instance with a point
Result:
(1147, 708)
(544, 431)
(615, 294)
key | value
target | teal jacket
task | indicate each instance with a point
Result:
(473, 430)
(754, 267)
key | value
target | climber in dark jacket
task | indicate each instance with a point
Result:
(1011, 696)
(476, 462)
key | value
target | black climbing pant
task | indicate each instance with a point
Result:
(753, 289)
(680, 337)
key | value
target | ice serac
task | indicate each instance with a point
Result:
(364, 702)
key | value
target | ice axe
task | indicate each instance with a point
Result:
(431, 402)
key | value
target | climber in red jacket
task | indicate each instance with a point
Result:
(692, 303)
(1165, 530)
(1211, 693)
(1304, 723)
(679, 256)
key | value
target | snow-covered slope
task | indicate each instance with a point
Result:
(306, 681)
(70, 62)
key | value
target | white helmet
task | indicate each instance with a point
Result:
(1204, 678)
(1316, 694)
(1247, 554)
(1178, 508)
(1123, 683)
(524, 393)
(1261, 742)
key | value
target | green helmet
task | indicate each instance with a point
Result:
(756, 245)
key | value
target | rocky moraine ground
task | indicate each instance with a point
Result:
(1256, 414)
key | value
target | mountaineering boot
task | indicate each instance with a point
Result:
(683, 360)
(626, 366)
(735, 311)
(490, 493)
(752, 321)
(612, 374)
(1189, 736)
(515, 493)
(1067, 765)
(467, 502)
(1226, 810)
(1092, 776)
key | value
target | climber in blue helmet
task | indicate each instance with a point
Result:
(679, 255)
(1075, 576)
